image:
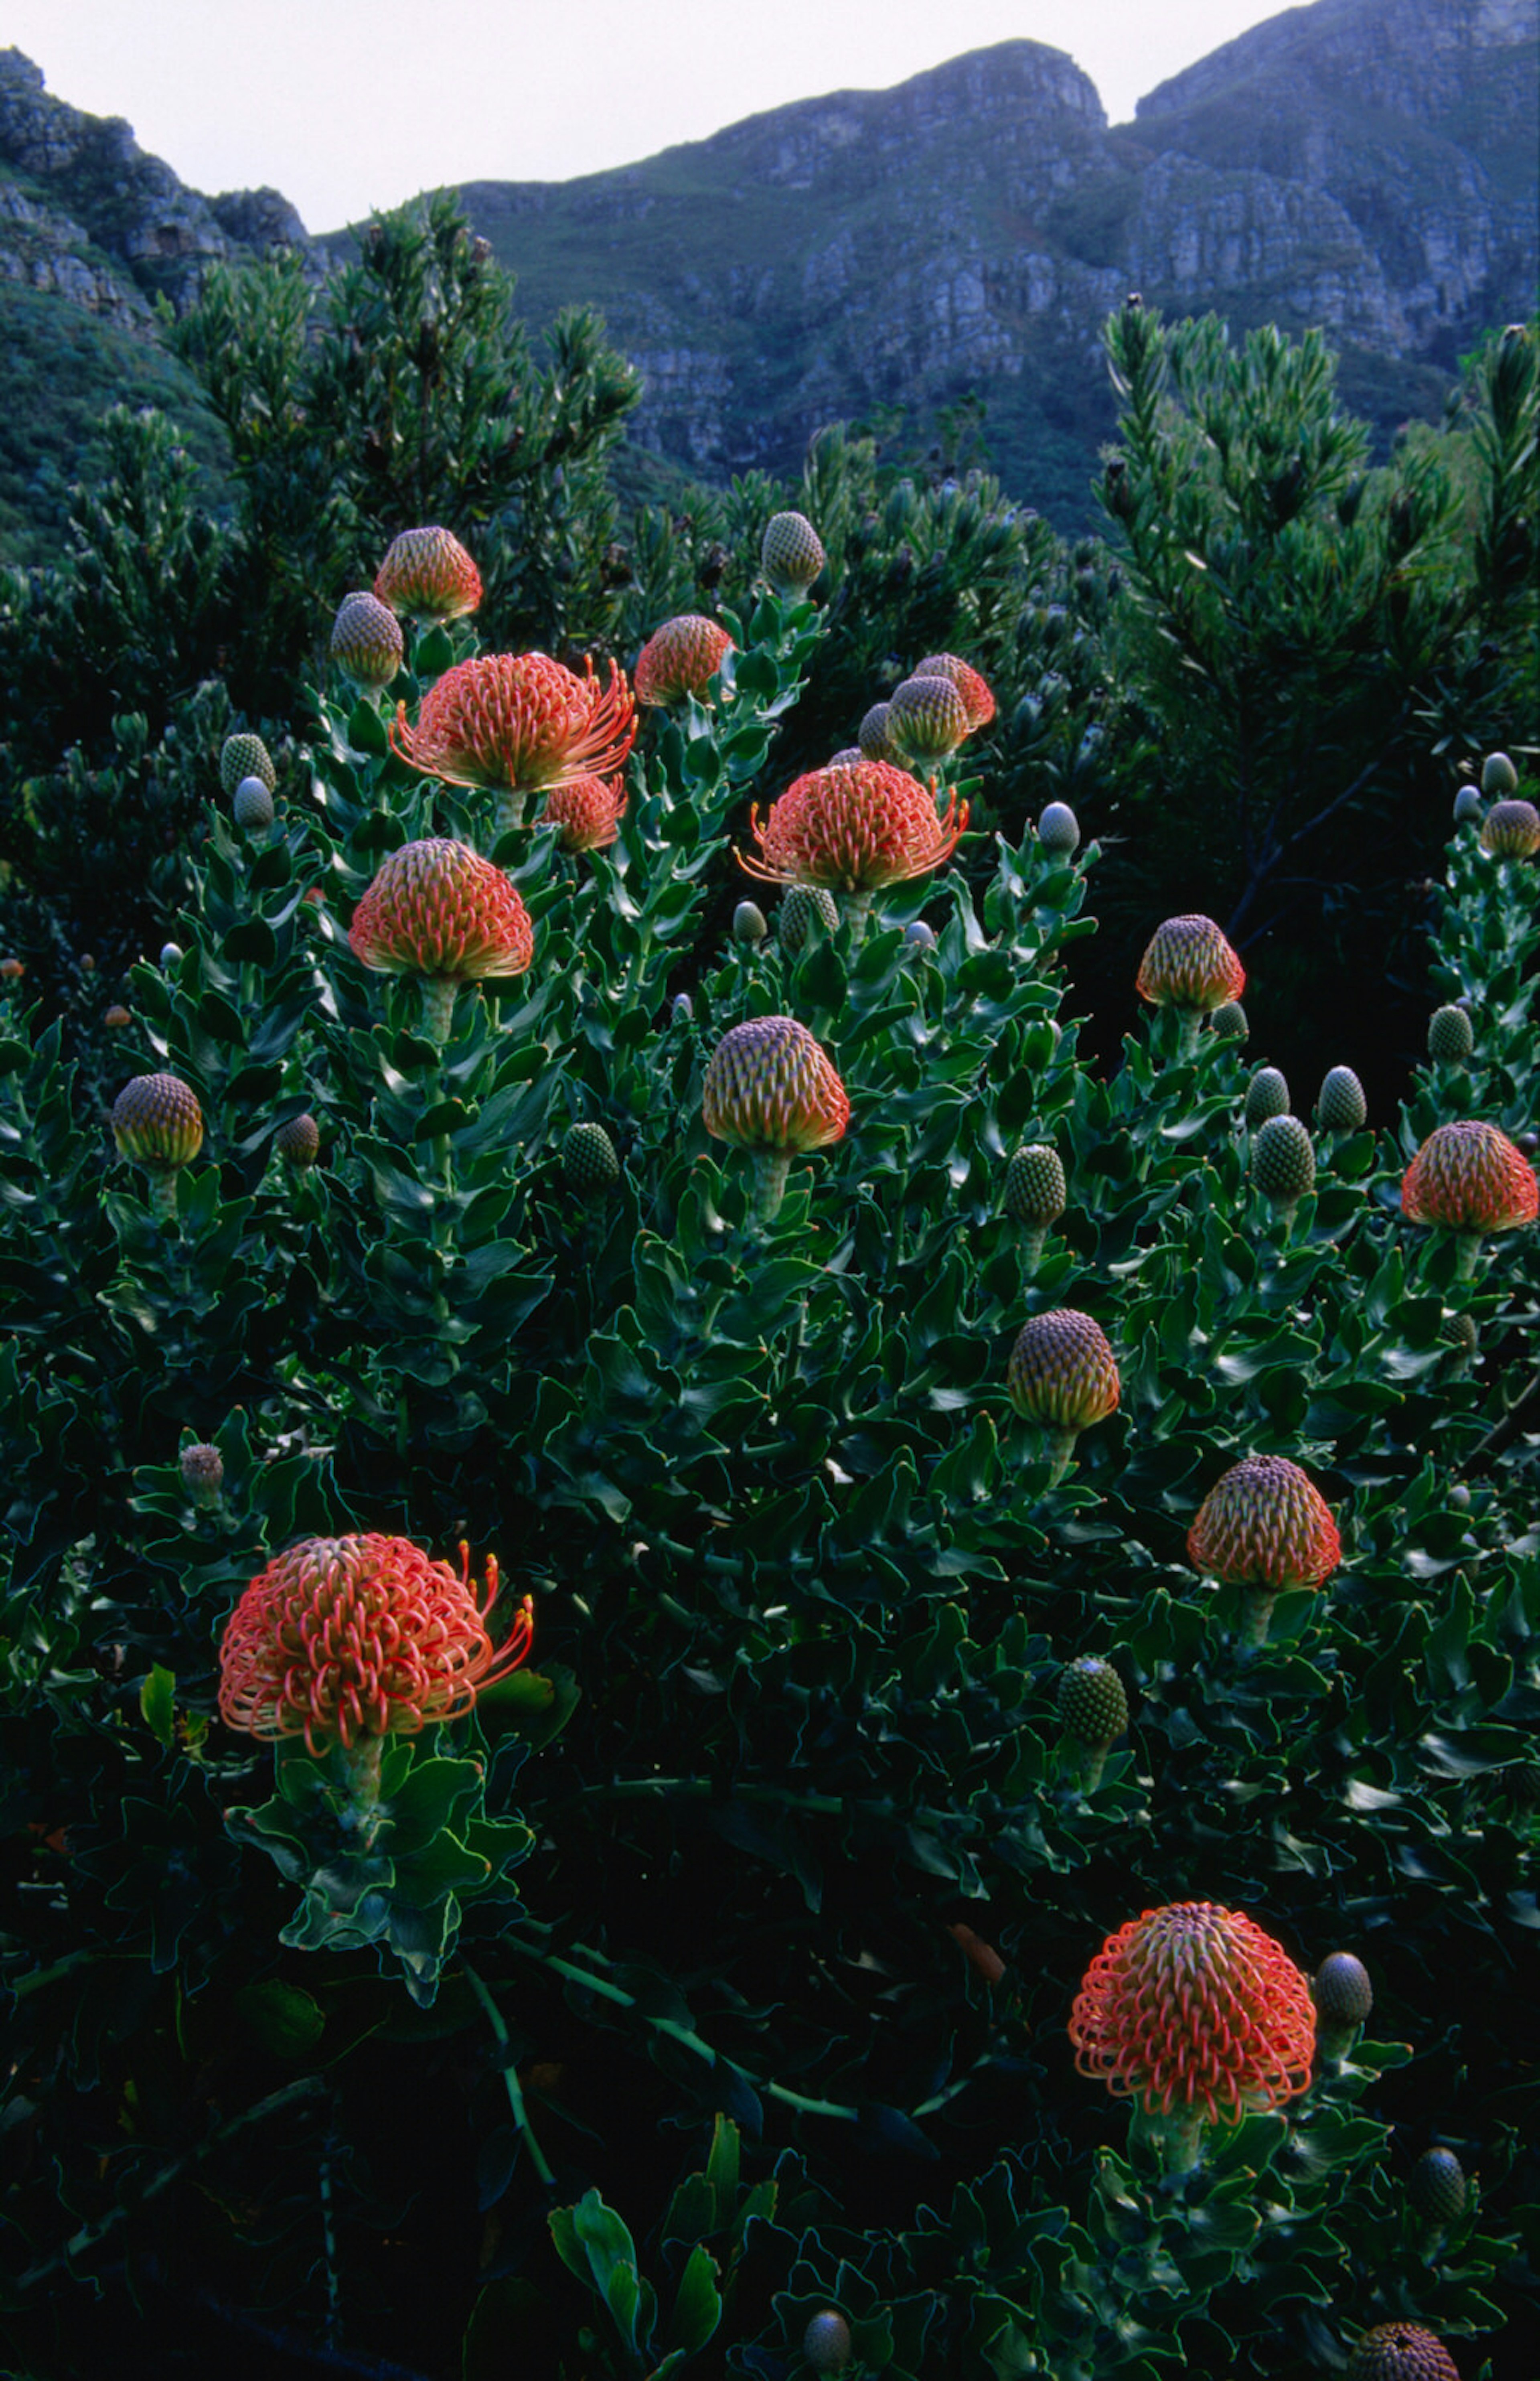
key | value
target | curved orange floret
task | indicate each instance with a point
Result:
(681, 658)
(1189, 965)
(586, 813)
(769, 1086)
(854, 827)
(977, 700)
(1264, 1524)
(1062, 1374)
(1193, 2008)
(438, 908)
(518, 723)
(1470, 1178)
(343, 1638)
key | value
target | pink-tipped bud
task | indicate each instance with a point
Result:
(1063, 1374)
(437, 908)
(768, 1086)
(428, 575)
(1469, 1178)
(1264, 1524)
(156, 1122)
(681, 658)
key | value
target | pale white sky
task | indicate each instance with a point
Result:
(346, 105)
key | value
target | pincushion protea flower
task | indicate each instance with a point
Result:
(428, 575)
(1063, 1375)
(769, 1089)
(854, 830)
(518, 724)
(1510, 831)
(1190, 967)
(977, 700)
(1402, 2351)
(157, 1123)
(587, 814)
(1264, 1527)
(342, 1640)
(1469, 1179)
(438, 910)
(681, 658)
(366, 639)
(1195, 2013)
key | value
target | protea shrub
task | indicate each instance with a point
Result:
(1264, 1527)
(682, 658)
(1197, 2015)
(157, 1123)
(1190, 967)
(1093, 1707)
(769, 1089)
(439, 911)
(1510, 831)
(518, 724)
(1341, 1106)
(854, 831)
(427, 575)
(1469, 1179)
(791, 553)
(1063, 1377)
(366, 644)
(1402, 2351)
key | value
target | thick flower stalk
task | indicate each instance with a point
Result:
(439, 911)
(854, 830)
(428, 575)
(977, 700)
(1469, 1179)
(769, 1089)
(1063, 1377)
(1190, 967)
(681, 658)
(586, 814)
(1264, 1527)
(157, 1123)
(519, 724)
(1196, 2014)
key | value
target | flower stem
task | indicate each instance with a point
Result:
(1061, 1453)
(1257, 1613)
(1182, 2139)
(163, 1195)
(771, 1169)
(510, 808)
(511, 2077)
(438, 1008)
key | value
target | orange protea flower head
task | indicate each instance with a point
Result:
(586, 813)
(681, 658)
(437, 908)
(157, 1122)
(1402, 2351)
(366, 639)
(343, 1638)
(977, 700)
(1263, 1524)
(1192, 2007)
(926, 718)
(791, 553)
(1470, 1178)
(1063, 1373)
(769, 1086)
(1511, 830)
(854, 829)
(1189, 965)
(428, 575)
(520, 722)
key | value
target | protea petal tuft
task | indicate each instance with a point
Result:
(1264, 1524)
(1470, 1178)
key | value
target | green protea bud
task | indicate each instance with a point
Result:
(1091, 1701)
(800, 904)
(1341, 1107)
(1230, 1022)
(298, 1143)
(1461, 1334)
(1510, 831)
(367, 645)
(1058, 830)
(919, 936)
(827, 2342)
(1468, 804)
(1063, 1375)
(1452, 1036)
(589, 1164)
(978, 702)
(790, 554)
(157, 1122)
(251, 805)
(1402, 2351)
(749, 926)
(927, 719)
(1283, 1161)
(1499, 776)
(170, 957)
(1344, 1996)
(246, 756)
(1267, 1095)
(873, 736)
(1035, 1192)
(428, 575)
(202, 1471)
(1436, 2187)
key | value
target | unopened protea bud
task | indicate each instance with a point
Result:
(170, 957)
(251, 805)
(1498, 777)
(749, 923)
(790, 555)
(768, 1088)
(1452, 1036)
(157, 1123)
(1230, 1022)
(297, 1141)
(428, 575)
(1036, 1191)
(681, 658)
(920, 936)
(202, 1471)
(1063, 1377)
(1344, 1996)
(873, 736)
(1510, 831)
(438, 910)
(1283, 1161)
(1468, 804)
(1267, 1095)
(1341, 1106)
(1436, 2188)
(1094, 1709)
(246, 756)
(926, 718)
(589, 1164)
(1402, 2351)
(801, 905)
(1263, 1526)
(1190, 967)
(1469, 1178)
(827, 2342)
(977, 700)
(117, 1017)
(846, 757)
(1058, 830)
(366, 639)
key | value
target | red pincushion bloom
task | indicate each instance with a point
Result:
(437, 908)
(343, 1638)
(1470, 1178)
(1263, 1525)
(681, 658)
(1402, 2351)
(769, 1086)
(855, 829)
(586, 813)
(1193, 2008)
(1189, 965)
(518, 723)
(428, 575)
(977, 700)
(1063, 1373)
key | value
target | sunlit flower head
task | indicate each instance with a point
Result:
(854, 829)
